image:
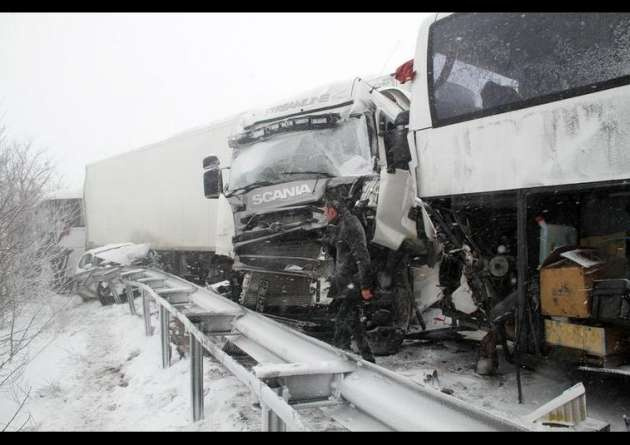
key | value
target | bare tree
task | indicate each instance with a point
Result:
(30, 255)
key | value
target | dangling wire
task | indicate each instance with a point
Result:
(390, 56)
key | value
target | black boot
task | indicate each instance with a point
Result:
(368, 357)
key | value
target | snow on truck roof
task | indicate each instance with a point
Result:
(325, 97)
(331, 95)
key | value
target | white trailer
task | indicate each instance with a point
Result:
(155, 195)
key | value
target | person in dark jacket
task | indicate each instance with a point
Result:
(352, 280)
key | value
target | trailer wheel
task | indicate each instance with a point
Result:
(104, 293)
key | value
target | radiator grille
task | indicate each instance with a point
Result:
(275, 290)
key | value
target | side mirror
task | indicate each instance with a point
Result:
(402, 118)
(212, 177)
(397, 149)
(211, 162)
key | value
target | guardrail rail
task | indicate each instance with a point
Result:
(293, 371)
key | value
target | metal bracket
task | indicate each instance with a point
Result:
(308, 381)
(212, 323)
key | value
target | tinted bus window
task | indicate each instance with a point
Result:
(482, 64)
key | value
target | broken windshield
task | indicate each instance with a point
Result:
(342, 150)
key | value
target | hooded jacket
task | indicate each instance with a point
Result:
(352, 261)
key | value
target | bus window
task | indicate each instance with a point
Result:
(483, 64)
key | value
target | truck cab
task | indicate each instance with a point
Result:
(348, 137)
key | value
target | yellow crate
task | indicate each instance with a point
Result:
(600, 341)
(565, 290)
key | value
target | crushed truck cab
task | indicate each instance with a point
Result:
(349, 138)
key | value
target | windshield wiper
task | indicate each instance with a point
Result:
(304, 123)
(249, 187)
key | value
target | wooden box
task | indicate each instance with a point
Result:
(565, 291)
(599, 341)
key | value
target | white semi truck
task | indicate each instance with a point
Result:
(154, 195)
(347, 139)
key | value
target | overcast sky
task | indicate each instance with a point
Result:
(89, 86)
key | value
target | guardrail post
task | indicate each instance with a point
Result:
(166, 342)
(266, 417)
(130, 300)
(270, 420)
(112, 288)
(196, 377)
(146, 313)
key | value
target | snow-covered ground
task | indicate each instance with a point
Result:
(607, 398)
(98, 371)
(94, 369)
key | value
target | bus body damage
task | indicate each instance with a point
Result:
(520, 128)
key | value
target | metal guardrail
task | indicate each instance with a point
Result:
(278, 413)
(295, 371)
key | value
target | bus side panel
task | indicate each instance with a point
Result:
(577, 140)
